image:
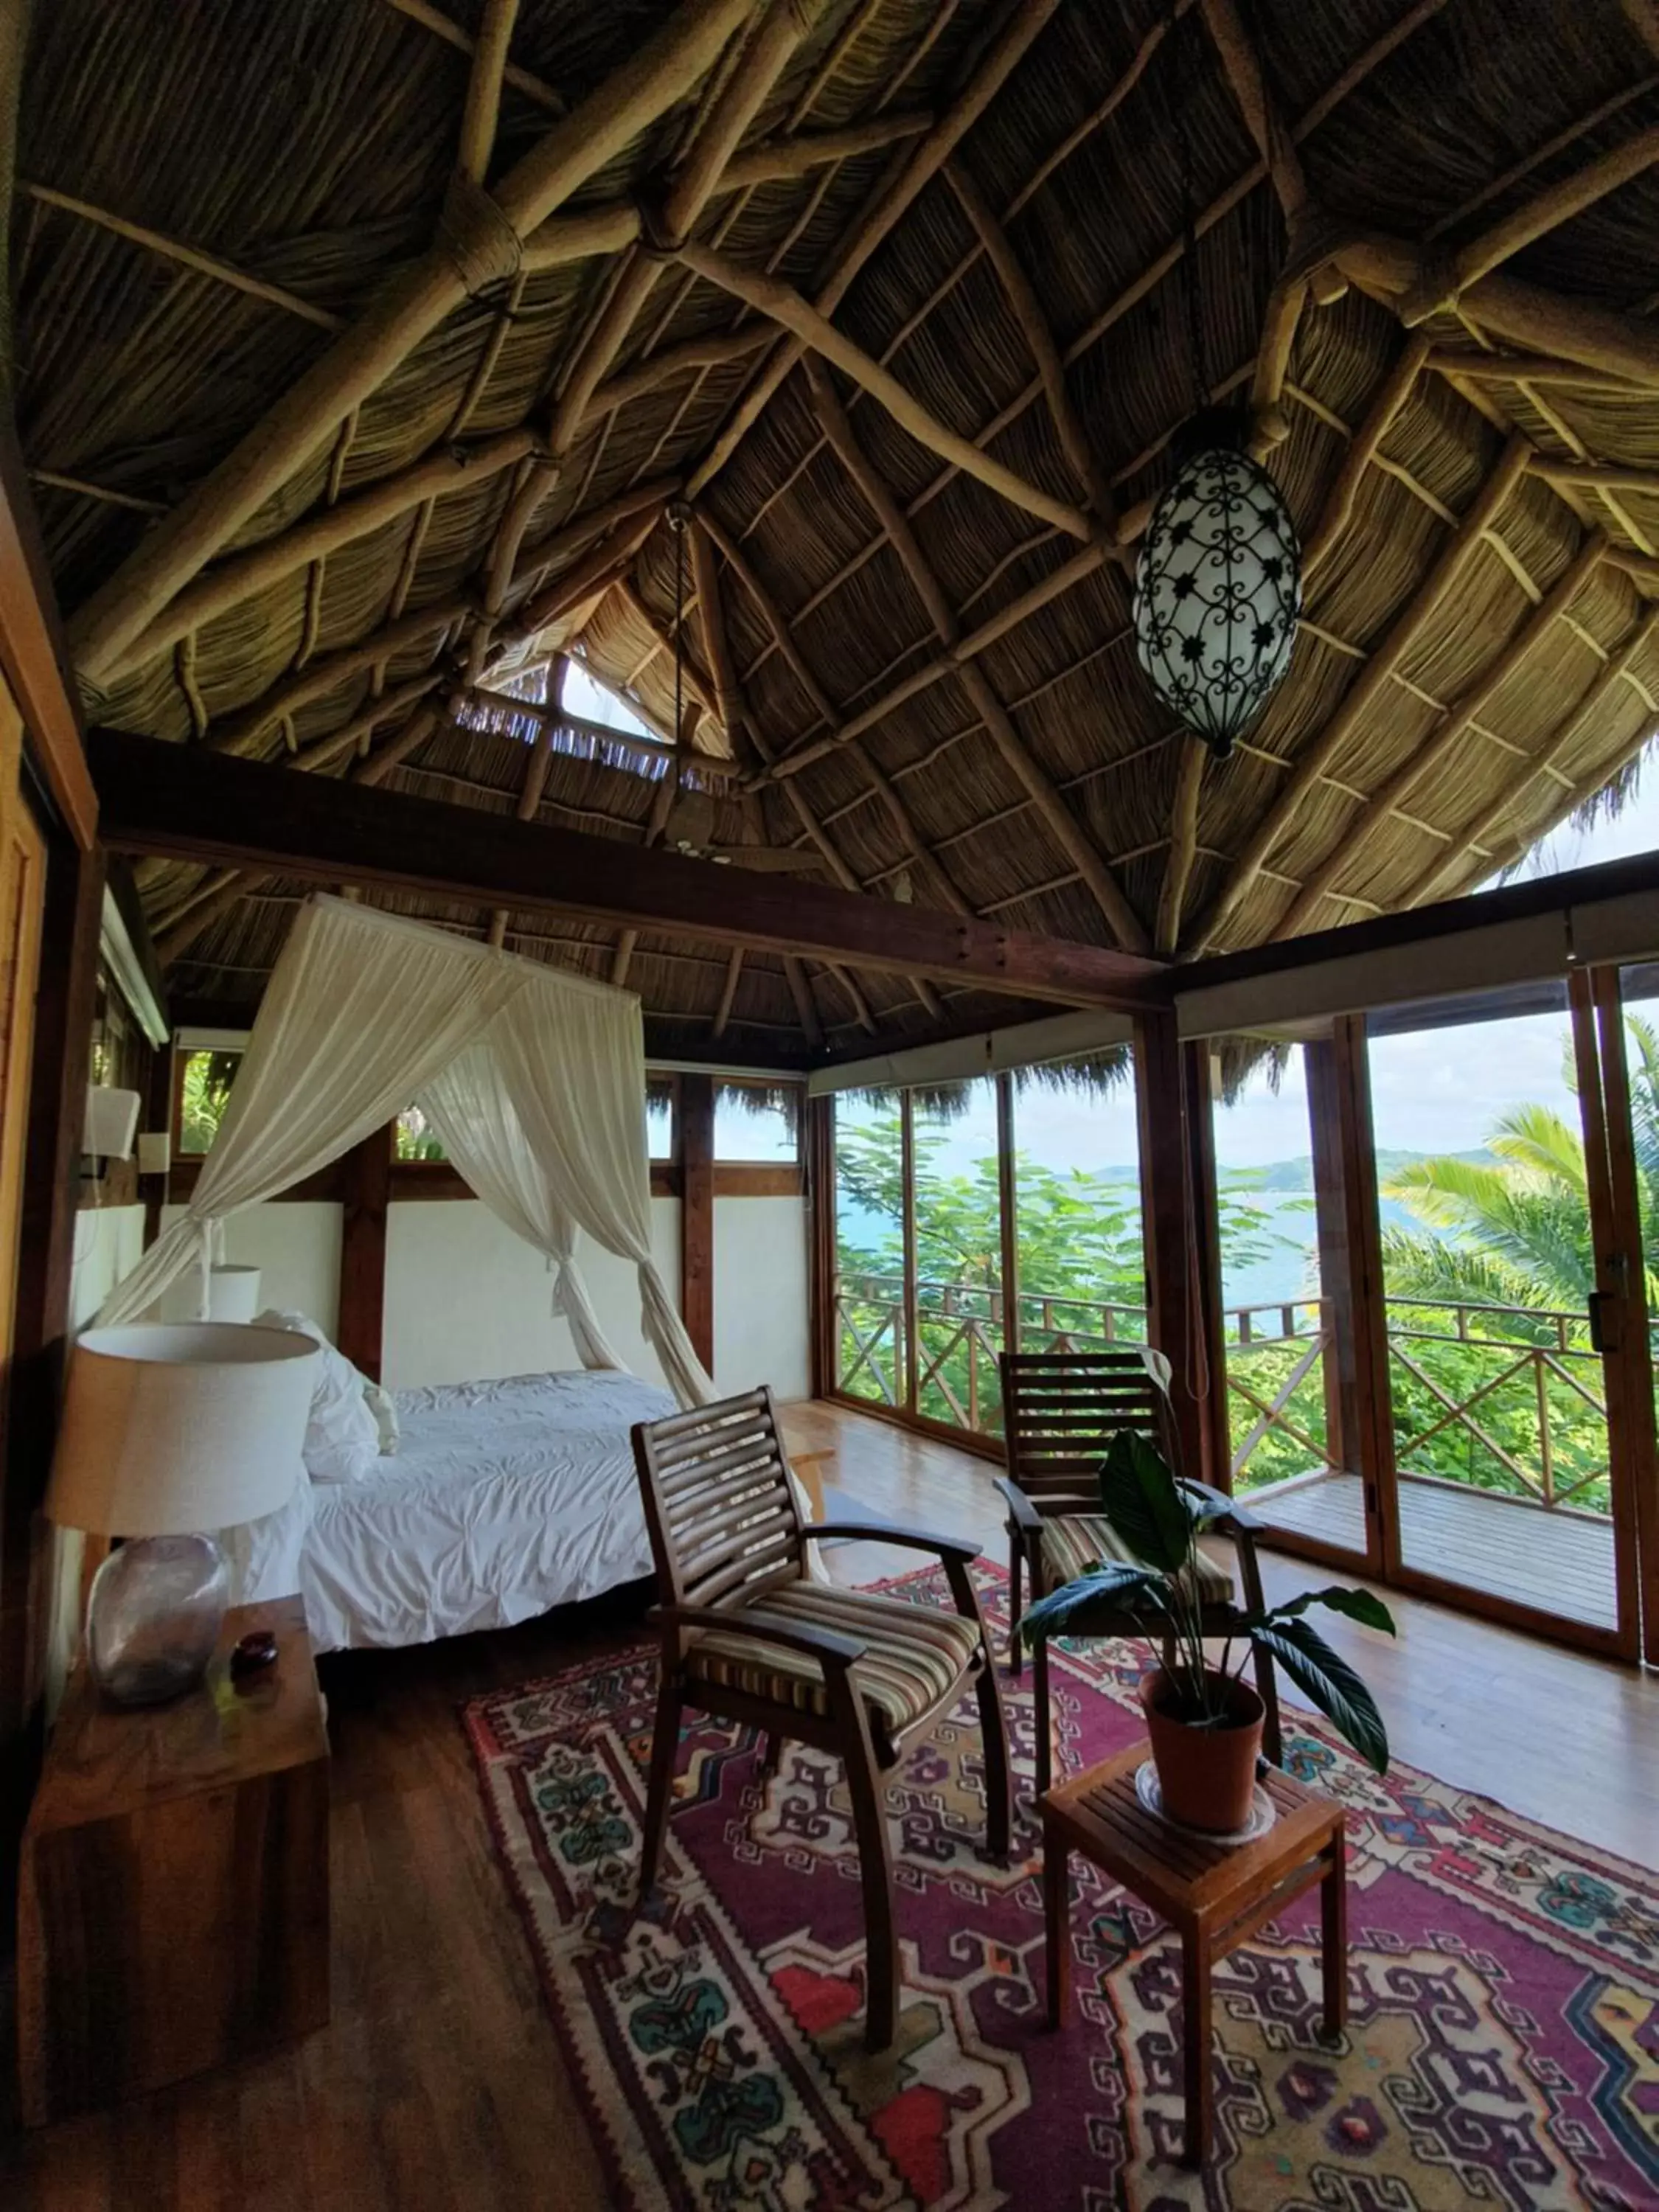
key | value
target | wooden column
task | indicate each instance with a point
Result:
(65, 1000)
(367, 1174)
(820, 1156)
(1008, 1194)
(1359, 1416)
(1216, 1464)
(1168, 1227)
(158, 1115)
(697, 1214)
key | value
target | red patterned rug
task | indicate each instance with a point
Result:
(1503, 2047)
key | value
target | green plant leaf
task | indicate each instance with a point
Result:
(1326, 1677)
(1139, 1496)
(1354, 1604)
(1097, 1603)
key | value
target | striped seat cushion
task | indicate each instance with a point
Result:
(912, 1654)
(1073, 1543)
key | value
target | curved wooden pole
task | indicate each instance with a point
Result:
(400, 315)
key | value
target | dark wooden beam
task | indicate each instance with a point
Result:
(697, 1134)
(160, 798)
(360, 1329)
(65, 996)
(1358, 1420)
(1169, 1228)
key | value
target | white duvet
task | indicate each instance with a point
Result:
(503, 1499)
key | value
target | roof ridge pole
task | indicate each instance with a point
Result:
(1378, 668)
(1073, 840)
(401, 314)
(1398, 787)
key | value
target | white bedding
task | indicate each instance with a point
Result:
(504, 1499)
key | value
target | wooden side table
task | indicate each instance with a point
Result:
(1213, 1897)
(173, 1911)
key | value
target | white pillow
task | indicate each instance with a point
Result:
(383, 1408)
(343, 1442)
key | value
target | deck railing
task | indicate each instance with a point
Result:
(1483, 1395)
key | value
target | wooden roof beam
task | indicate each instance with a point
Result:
(882, 785)
(484, 89)
(537, 769)
(1444, 280)
(1028, 312)
(1067, 831)
(1183, 844)
(481, 243)
(734, 108)
(1023, 26)
(1524, 315)
(1242, 65)
(1058, 580)
(1363, 691)
(521, 79)
(1382, 807)
(1527, 369)
(1436, 880)
(186, 257)
(160, 797)
(784, 306)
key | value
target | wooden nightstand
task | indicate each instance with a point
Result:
(172, 1911)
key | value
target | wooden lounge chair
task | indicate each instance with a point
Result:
(747, 1634)
(1061, 1412)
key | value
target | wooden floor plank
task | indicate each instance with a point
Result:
(439, 2085)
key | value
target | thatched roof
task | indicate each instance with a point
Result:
(209, 196)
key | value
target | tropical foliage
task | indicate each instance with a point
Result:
(1159, 1521)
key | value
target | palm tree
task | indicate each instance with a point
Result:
(1516, 1232)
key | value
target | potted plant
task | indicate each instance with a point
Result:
(1205, 1723)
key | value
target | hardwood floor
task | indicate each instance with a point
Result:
(1561, 1562)
(439, 2085)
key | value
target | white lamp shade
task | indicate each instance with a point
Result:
(233, 1293)
(111, 1120)
(154, 1152)
(169, 1430)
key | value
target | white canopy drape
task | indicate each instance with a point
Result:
(534, 1079)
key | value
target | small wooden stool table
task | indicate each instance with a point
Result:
(1214, 1896)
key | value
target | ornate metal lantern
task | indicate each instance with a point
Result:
(1217, 587)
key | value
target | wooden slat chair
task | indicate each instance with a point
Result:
(749, 1636)
(1061, 1412)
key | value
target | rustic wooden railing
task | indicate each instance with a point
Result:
(960, 1328)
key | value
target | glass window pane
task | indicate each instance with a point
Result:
(415, 1139)
(1499, 1397)
(1275, 1326)
(869, 1247)
(1076, 1180)
(754, 1122)
(660, 1117)
(204, 1094)
(958, 1231)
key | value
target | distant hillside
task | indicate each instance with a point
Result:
(1298, 1175)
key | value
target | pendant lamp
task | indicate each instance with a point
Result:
(1218, 586)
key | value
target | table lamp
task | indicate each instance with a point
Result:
(169, 1431)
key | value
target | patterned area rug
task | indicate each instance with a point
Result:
(1503, 2047)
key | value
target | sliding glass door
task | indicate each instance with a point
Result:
(1512, 1288)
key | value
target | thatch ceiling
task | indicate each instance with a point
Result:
(212, 200)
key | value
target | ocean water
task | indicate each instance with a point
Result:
(1288, 1272)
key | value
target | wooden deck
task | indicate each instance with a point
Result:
(1561, 1563)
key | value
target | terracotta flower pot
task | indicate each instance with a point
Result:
(1206, 1775)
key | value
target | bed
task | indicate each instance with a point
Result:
(503, 1499)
